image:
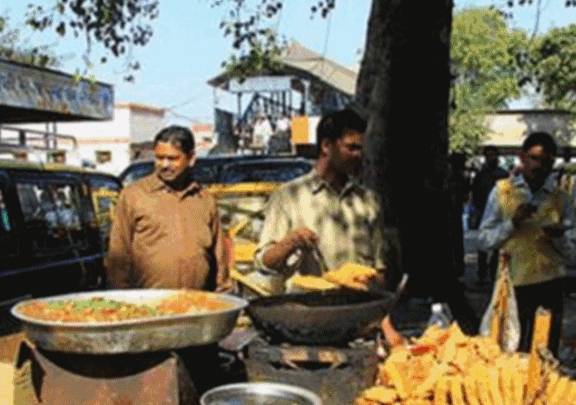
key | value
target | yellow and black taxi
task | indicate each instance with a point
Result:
(54, 225)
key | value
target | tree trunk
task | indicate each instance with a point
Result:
(404, 86)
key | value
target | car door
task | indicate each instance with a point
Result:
(62, 246)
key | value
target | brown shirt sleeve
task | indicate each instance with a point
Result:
(118, 261)
(223, 282)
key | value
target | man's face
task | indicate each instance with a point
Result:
(171, 162)
(345, 154)
(537, 165)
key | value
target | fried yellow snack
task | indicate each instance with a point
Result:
(482, 381)
(506, 386)
(427, 386)
(352, 275)
(494, 384)
(457, 390)
(519, 387)
(552, 380)
(471, 390)
(381, 394)
(307, 282)
(396, 375)
(441, 391)
(561, 390)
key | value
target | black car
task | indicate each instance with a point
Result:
(54, 224)
(231, 169)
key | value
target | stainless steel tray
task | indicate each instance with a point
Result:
(135, 335)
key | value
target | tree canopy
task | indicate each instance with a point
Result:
(554, 67)
(13, 47)
(485, 56)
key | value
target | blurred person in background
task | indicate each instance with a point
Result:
(483, 183)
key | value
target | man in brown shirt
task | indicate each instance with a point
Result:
(166, 232)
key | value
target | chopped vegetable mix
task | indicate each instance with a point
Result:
(100, 309)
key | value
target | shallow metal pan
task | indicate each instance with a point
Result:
(135, 335)
(322, 318)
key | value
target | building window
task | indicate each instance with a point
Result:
(57, 157)
(103, 156)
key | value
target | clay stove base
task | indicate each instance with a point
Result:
(56, 378)
(336, 374)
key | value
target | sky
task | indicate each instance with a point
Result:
(188, 47)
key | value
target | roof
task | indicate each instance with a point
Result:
(34, 94)
(141, 108)
(299, 59)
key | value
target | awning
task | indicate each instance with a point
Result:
(32, 94)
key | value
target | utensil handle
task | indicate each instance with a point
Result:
(241, 278)
(399, 290)
(320, 257)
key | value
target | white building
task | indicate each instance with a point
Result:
(107, 144)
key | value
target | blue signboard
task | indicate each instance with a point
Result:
(32, 88)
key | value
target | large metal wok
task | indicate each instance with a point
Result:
(135, 335)
(321, 318)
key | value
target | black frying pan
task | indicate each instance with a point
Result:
(321, 318)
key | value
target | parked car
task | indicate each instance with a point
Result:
(231, 169)
(54, 224)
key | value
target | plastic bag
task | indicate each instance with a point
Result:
(501, 318)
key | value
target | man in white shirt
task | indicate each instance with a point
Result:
(530, 218)
(262, 132)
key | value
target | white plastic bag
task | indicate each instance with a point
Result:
(509, 338)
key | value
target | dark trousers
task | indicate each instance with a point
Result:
(548, 295)
(487, 264)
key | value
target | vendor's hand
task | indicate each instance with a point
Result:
(374, 282)
(302, 238)
(522, 213)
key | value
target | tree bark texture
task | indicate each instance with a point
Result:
(404, 86)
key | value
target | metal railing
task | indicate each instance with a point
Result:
(24, 140)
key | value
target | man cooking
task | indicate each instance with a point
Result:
(166, 232)
(325, 218)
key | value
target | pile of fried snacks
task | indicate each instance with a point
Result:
(446, 367)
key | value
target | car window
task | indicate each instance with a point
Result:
(264, 171)
(136, 172)
(7, 237)
(206, 171)
(54, 215)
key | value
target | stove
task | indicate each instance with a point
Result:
(321, 369)
(47, 377)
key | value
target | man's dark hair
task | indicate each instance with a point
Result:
(541, 139)
(333, 125)
(178, 136)
(490, 148)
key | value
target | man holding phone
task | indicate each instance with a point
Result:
(530, 218)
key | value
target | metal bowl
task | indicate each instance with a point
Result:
(135, 335)
(260, 393)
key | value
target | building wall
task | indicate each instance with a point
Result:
(144, 122)
(510, 128)
(132, 123)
